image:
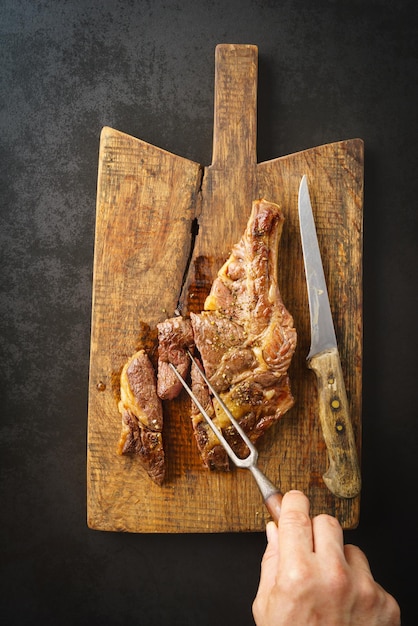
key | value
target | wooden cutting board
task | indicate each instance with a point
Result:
(149, 206)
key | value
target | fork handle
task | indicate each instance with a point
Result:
(271, 495)
(274, 505)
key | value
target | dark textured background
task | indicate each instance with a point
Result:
(328, 70)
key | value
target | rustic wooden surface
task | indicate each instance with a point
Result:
(147, 203)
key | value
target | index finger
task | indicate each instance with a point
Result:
(295, 527)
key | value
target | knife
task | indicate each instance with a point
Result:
(343, 474)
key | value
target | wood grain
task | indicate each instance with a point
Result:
(147, 203)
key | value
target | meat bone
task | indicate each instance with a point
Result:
(148, 203)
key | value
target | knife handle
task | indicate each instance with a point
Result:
(343, 475)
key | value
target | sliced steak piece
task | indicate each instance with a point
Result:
(175, 335)
(245, 335)
(142, 416)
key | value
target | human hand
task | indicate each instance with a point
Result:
(309, 578)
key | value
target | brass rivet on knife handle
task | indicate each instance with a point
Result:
(343, 475)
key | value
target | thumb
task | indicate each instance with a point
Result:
(269, 563)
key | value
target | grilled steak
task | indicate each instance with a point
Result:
(245, 335)
(142, 416)
(175, 335)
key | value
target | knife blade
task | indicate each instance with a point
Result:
(343, 474)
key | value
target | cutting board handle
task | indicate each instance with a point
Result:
(235, 114)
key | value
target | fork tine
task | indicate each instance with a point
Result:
(247, 461)
(223, 406)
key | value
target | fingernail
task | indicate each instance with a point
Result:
(270, 530)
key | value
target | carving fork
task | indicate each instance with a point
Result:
(272, 496)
